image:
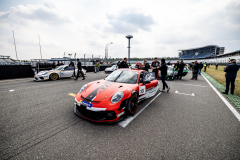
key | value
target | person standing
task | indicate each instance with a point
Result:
(53, 65)
(79, 70)
(71, 64)
(205, 66)
(176, 66)
(118, 64)
(180, 71)
(216, 66)
(97, 66)
(231, 74)
(163, 70)
(146, 66)
(155, 65)
(200, 68)
(123, 64)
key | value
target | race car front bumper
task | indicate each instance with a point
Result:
(40, 78)
(96, 115)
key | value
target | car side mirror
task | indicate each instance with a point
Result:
(146, 82)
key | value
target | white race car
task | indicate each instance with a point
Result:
(60, 72)
(111, 69)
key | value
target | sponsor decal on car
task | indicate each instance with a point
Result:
(86, 104)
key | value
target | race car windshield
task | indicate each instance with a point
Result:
(59, 68)
(123, 77)
(169, 69)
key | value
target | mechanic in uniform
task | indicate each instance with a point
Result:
(205, 66)
(231, 74)
(163, 70)
(123, 64)
(155, 66)
(180, 70)
(71, 64)
(79, 65)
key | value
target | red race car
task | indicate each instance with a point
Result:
(113, 98)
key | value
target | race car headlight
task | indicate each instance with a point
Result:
(117, 97)
(83, 87)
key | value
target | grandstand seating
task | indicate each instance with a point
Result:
(201, 55)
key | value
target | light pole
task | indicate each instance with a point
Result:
(15, 45)
(40, 46)
(129, 37)
(106, 50)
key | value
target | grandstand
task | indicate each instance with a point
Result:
(201, 52)
(5, 60)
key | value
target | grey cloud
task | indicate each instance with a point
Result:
(129, 22)
(45, 13)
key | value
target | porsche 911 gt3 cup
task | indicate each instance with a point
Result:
(111, 69)
(60, 72)
(113, 98)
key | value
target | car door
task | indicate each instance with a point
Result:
(67, 72)
(149, 89)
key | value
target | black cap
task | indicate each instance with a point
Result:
(232, 59)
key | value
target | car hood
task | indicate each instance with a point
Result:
(101, 90)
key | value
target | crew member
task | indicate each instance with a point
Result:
(205, 66)
(176, 66)
(79, 65)
(53, 65)
(71, 64)
(180, 71)
(123, 64)
(155, 66)
(146, 65)
(231, 74)
(97, 66)
(163, 70)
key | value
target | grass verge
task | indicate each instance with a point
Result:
(215, 77)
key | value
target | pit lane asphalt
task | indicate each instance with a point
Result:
(37, 122)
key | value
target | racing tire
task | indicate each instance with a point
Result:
(54, 76)
(132, 104)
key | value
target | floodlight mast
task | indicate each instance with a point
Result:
(129, 37)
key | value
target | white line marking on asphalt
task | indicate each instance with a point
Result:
(236, 114)
(190, 84)
(125, 122)
(11, 90)
(185, 93)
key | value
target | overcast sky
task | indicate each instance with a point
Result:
(159, 27)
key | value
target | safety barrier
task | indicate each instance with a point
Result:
(21, 71)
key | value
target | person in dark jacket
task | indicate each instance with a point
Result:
(118, 64)
(155, 66)
(231, 74)
(71, 64)
(195, 68)
(53, 65)
(176, 66)
(79, 65)
(216, 66)
(200, 68)
(163, 70)
(180, 70)
(123, 64)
